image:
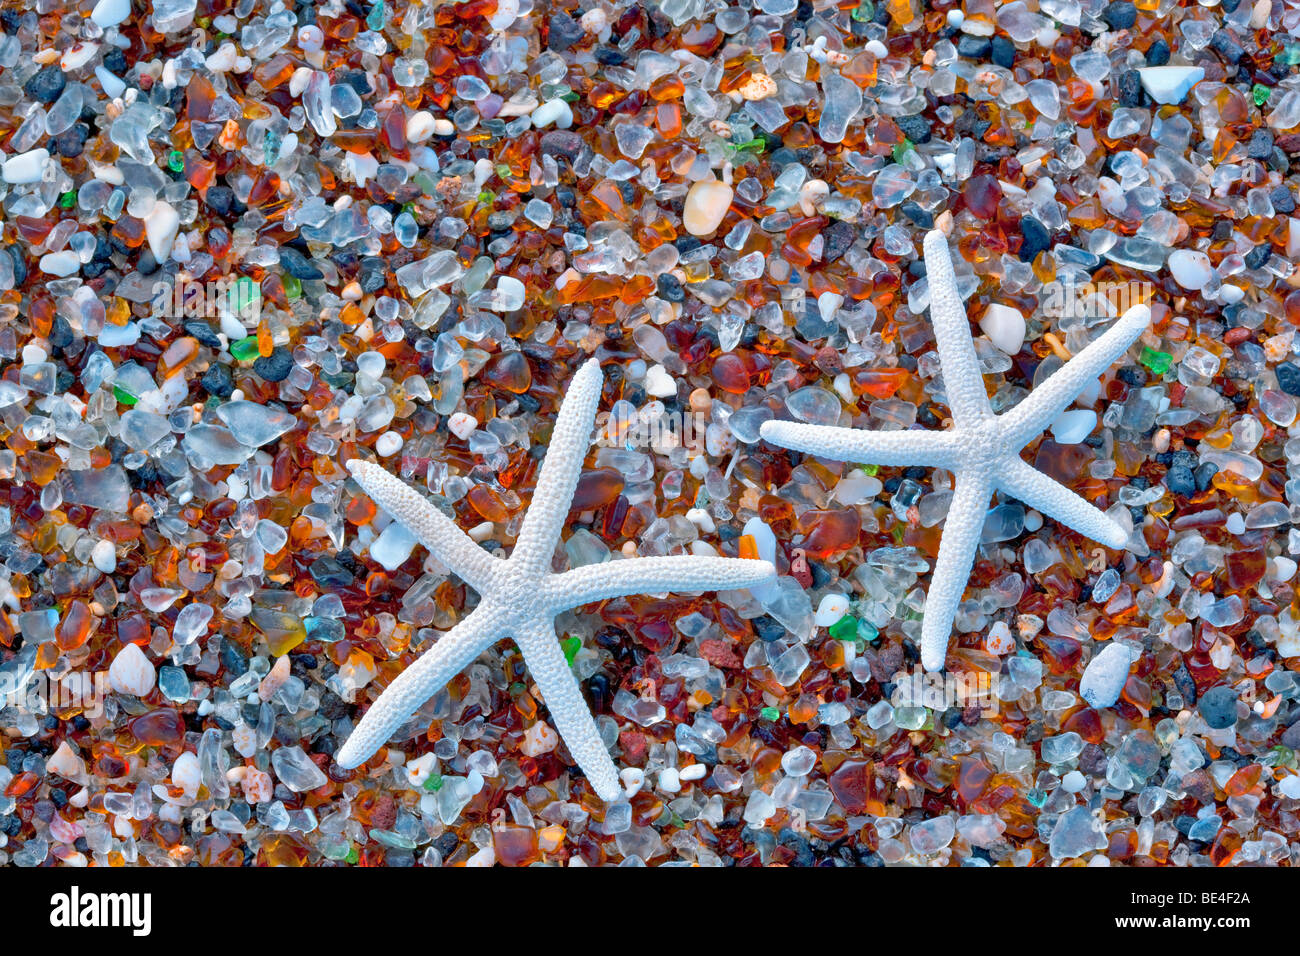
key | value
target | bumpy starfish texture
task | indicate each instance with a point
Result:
(982, 449)
(520, 597)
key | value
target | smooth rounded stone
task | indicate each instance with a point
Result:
(1103, 679)
(659, 383)
(1073, 426)
(1218, 707)
(113, 87)
(419, 127)
(831, 609)
(707, 203)
(669, 780)
(387, 444)
(553, 111)
(186, 774)
(26, 167)
(109, 13)
(60, 264)
(462, 425)
(160, 227)
(1005, 327)
(66, 763)
(999, 639)
(1190, 268)
(1169, 85)
(104, 557)
(132, 672)
(539, 739)
(253, 424)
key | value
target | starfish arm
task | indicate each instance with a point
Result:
(559, 473)
(1053, 499)
(904, 448)
(1033, 416)
(961, 537)
(433, 529)
(569, 711)
(410, 689)
(962, 380)
(596, 582)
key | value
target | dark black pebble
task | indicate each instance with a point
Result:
(1003, 52)
(565, 32)
(218, 381)
(1034, 238)
(838, 237)
(1282, 199)
(669, 288)
(1260, 145)
(219, 199)
(298, 265)
(1180, 480)
(914, 128)
(1288, 378)
(974, 48)
(46, 84)
(1130, 89)
(373, 274)
(1120, 15)
(203, 332)
(274, 367)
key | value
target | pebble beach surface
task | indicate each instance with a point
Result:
(246, 243)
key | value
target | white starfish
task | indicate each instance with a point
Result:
(520, 597)
(982, 449)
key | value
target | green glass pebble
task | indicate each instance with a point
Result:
(245, 350)
(868, 631)
(1260, 94)
(1157, 362)
(571, 646)
(126, 398)
(845, 629)
(292, 287)
(68, 199)
(176, 160)
(769, 713)
(434, 783)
